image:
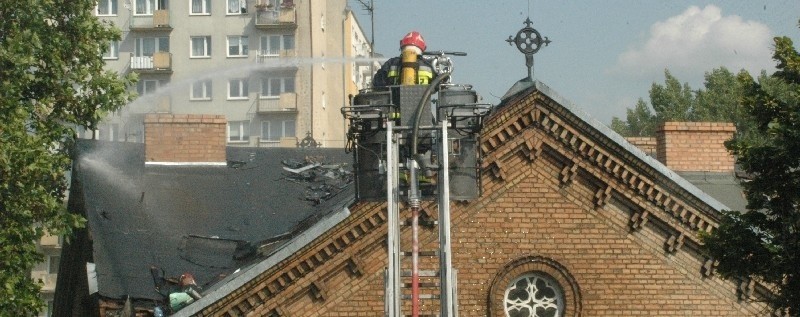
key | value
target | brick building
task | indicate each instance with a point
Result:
(571, 215)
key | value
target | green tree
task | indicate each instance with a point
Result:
(673, 101)
(640, 121)
(52, 76)
(764, 242)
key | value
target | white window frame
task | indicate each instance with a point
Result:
(148, 86)
(112, 6)
(266, 46)
(205, 7)
(243, 130)
(206, 43)
(556, 302)
(294, 125)
(201, 90)
(150, 6)
(241, 93)
(50, 264)
(113, 51)
(158, 42)
(266, 131)
(239, 9)
(241, 43)
(269, 83)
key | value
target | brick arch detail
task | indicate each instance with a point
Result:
(528, 264)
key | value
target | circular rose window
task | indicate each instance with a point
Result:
(534, 295)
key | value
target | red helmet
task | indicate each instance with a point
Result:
(413, 38)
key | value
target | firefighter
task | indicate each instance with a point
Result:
(410, 68)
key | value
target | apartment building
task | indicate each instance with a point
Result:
(47, 271)
(278, 70)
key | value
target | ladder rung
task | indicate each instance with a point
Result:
(422, 285)
(422, 253)
(423, 223)
(422, 273)
(422, 296)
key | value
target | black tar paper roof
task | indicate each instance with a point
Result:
(204, 220)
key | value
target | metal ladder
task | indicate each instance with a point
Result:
(437, 280)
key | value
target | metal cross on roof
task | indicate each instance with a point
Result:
(528, 41)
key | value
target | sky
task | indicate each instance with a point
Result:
(604, 54)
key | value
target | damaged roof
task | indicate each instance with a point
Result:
(205, 220)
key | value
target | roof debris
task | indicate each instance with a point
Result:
(323, 180)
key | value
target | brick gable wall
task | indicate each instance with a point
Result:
(624, 235)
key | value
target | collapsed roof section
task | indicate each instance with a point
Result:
(206, 220)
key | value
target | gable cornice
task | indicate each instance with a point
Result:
(539, 123)
(540, 107)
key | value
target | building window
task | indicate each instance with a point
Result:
(272, 45)
(237, 46)
(534, 295)
(49, 308)
(147, 86)
(277, 129)
(112, 52)
(288, 129)
(237, 7)
(201, 90)
(201, 7)
(237, 88)
(147, 46)
(273, 87)
(238, 131)
(52, 264)
(265, 132)
(201, 47)
(106, 8)
(146, 7)
(534, 286)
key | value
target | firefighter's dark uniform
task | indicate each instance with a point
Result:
(389, 74)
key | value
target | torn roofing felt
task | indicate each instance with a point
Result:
(204, 220)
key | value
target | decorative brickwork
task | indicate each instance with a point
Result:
(619, 237)
(184, 138)
(550, 267)
(695, 146)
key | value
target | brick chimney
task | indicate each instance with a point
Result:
(646, 144)
(184, 139)
(695, 146)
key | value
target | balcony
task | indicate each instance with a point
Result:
(159, 20)
(48, 280)
(268, 18)
(287, 102)
(50, 241)
(283, 59)
(283, 142)
(160, 62)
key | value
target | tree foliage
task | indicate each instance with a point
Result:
(640, 121)
(764, 243)
(672, 101)
(53, 80)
